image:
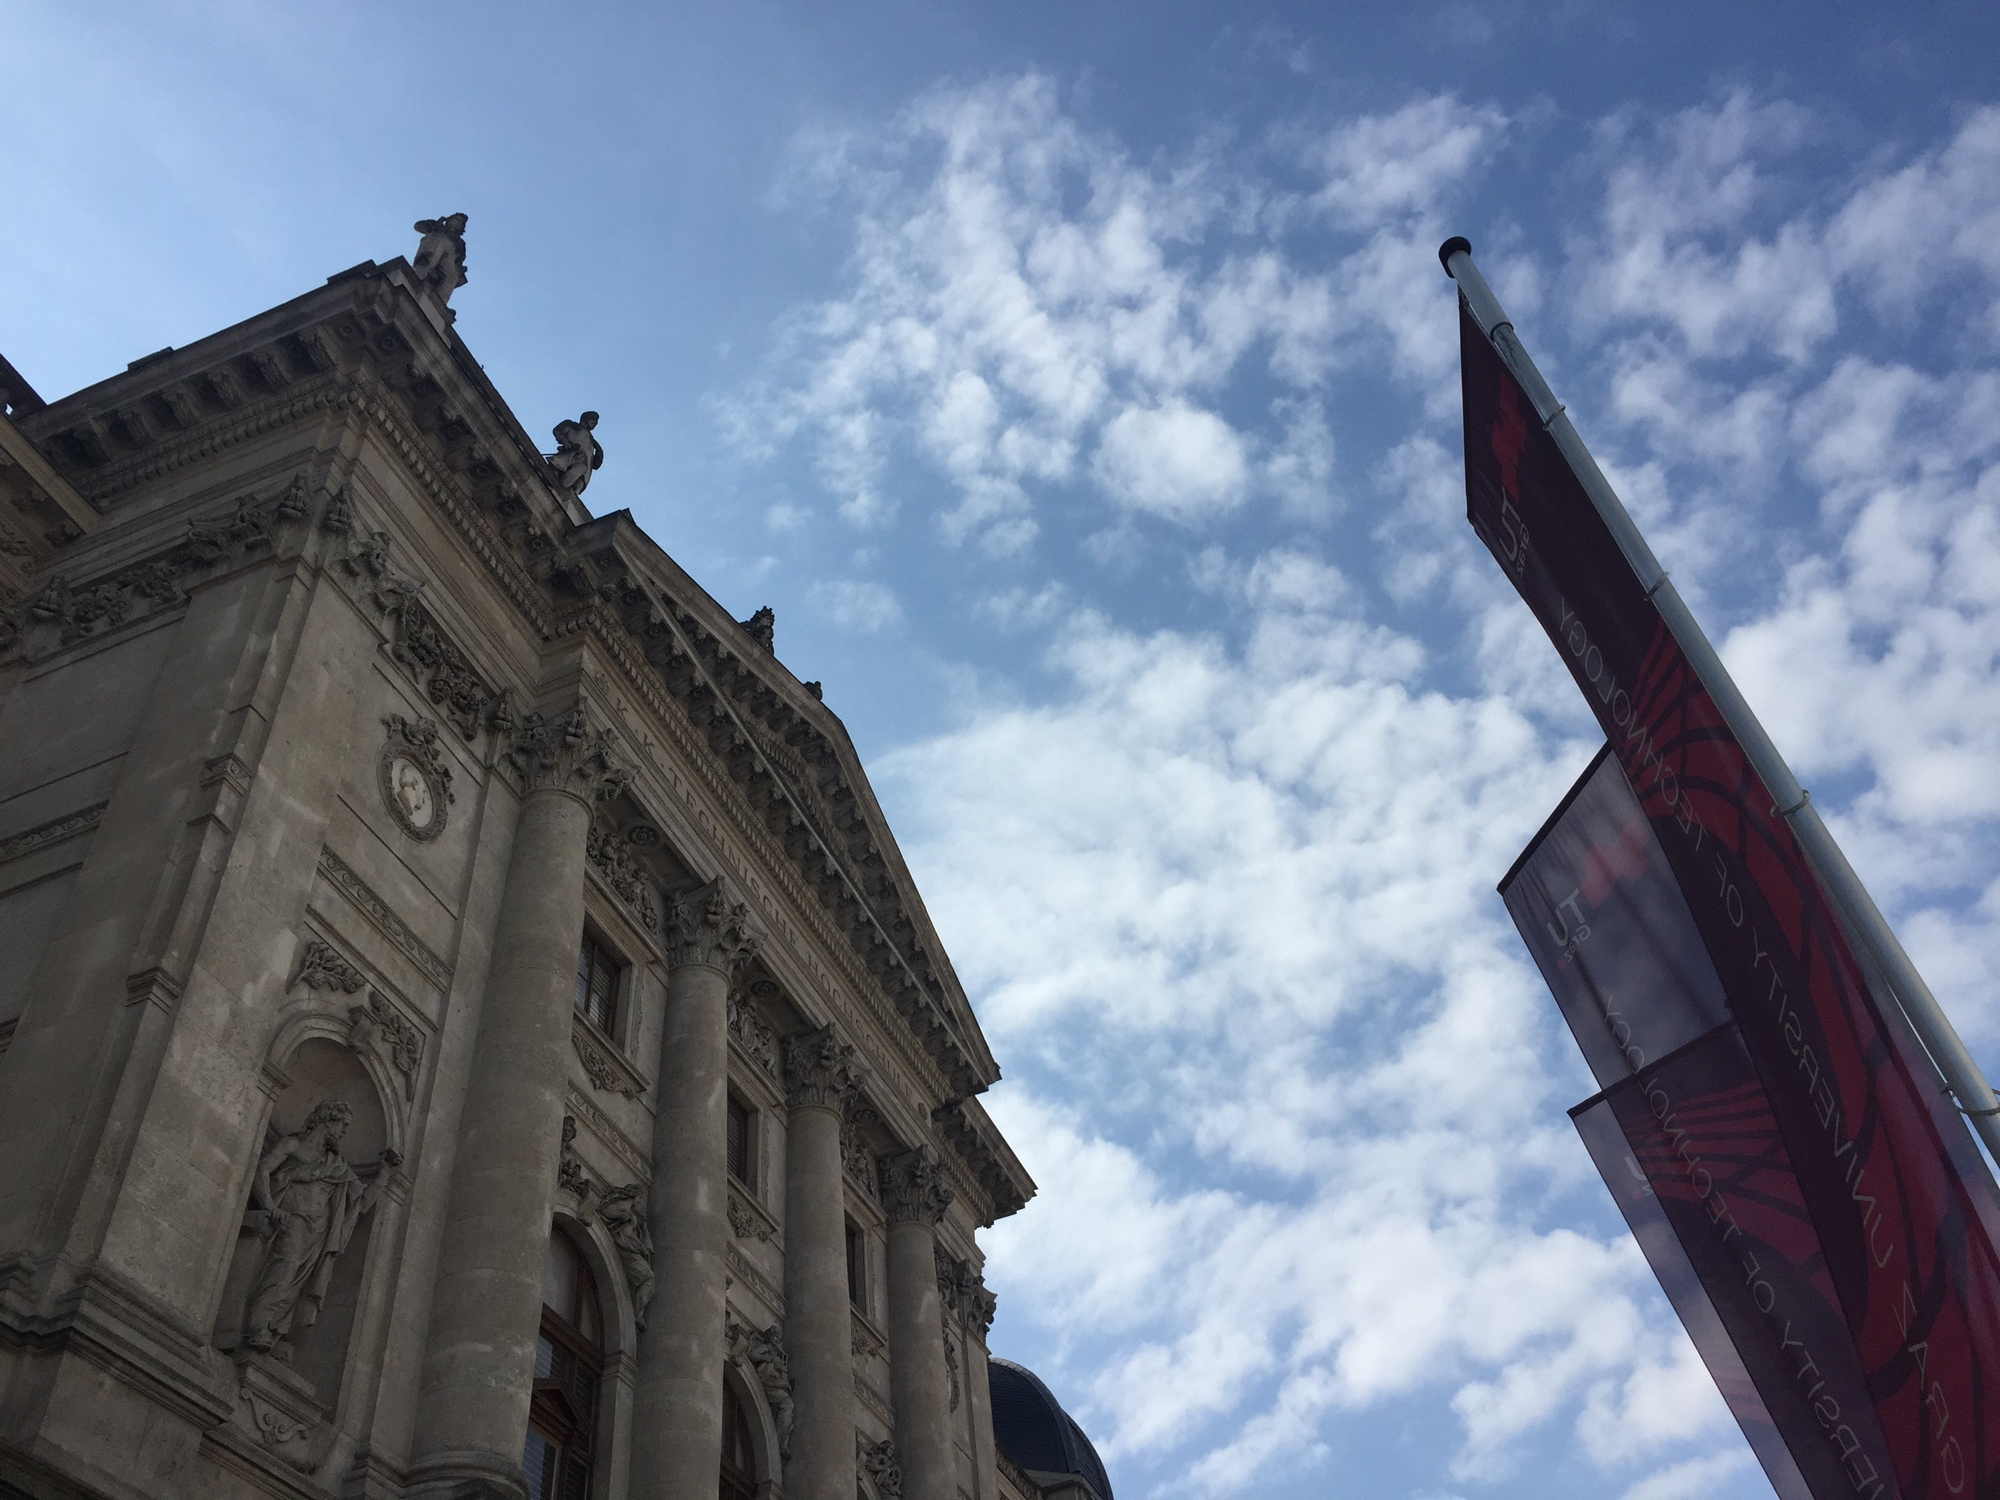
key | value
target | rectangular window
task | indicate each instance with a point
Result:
(742, 1142)
(857, 1266)
(597, 983)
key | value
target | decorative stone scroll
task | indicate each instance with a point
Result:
(377, 1025)
(322, 968)
(560, 752)
(705, 927)
(982, 1305)
(599, 1069)
(747, 1222)
(878, 1461)
(866, 1341)
(819, 1070)
(913, 1186)
(415, 777)
(624, 1217)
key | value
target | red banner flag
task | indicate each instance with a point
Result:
(1906, 1244)
(1687, 1142)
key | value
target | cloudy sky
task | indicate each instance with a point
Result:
(1078, 383)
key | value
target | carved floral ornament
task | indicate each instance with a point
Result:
(375, 1023)
(415, 777)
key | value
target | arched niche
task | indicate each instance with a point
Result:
(614, 1293)
(311, 1066)
(740, 1383)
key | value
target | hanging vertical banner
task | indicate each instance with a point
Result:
(1687, 1142)
(1907, 1247)
(1600, 911)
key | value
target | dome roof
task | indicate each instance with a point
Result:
(1032, 1429)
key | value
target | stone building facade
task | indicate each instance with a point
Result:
(466, 1028)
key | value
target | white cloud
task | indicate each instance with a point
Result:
(1293, 1098)
(1695, 1479)
(863, 605)
(1380, 165)
(1177, 461)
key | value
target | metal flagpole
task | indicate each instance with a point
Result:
(1879, 947)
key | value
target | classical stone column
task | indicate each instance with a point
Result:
(677, 1406)
(915, 1196)
(479, 1356)
(819, 1074)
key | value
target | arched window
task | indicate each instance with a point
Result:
(562, 1419)
(739, 1462)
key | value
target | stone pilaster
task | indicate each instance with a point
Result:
(677, 1407)
(819, 1077)
(486, 1311)
(915, 1197)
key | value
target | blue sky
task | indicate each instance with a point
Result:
(1078, 384)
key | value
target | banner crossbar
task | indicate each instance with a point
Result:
(1875, 942)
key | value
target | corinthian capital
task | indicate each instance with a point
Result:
(913, 1187)
(561, 753)
(705, 927)
(819, 1069)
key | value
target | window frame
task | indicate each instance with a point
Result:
(746, 1179)
(619, 968)
(856, 1241)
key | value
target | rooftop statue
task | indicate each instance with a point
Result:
(578, 454)
(440, 258)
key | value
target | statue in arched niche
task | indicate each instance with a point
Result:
(305, 1201)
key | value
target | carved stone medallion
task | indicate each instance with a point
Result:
(416, 782)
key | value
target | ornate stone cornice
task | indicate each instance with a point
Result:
(913, 1186)
(819, 1070)
(561, 753)
(703, 926)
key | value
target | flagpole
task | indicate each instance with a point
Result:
(1881, 951)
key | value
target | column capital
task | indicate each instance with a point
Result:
(561, 753)
(819, 1070)
(913, 1186)
(706, 928)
